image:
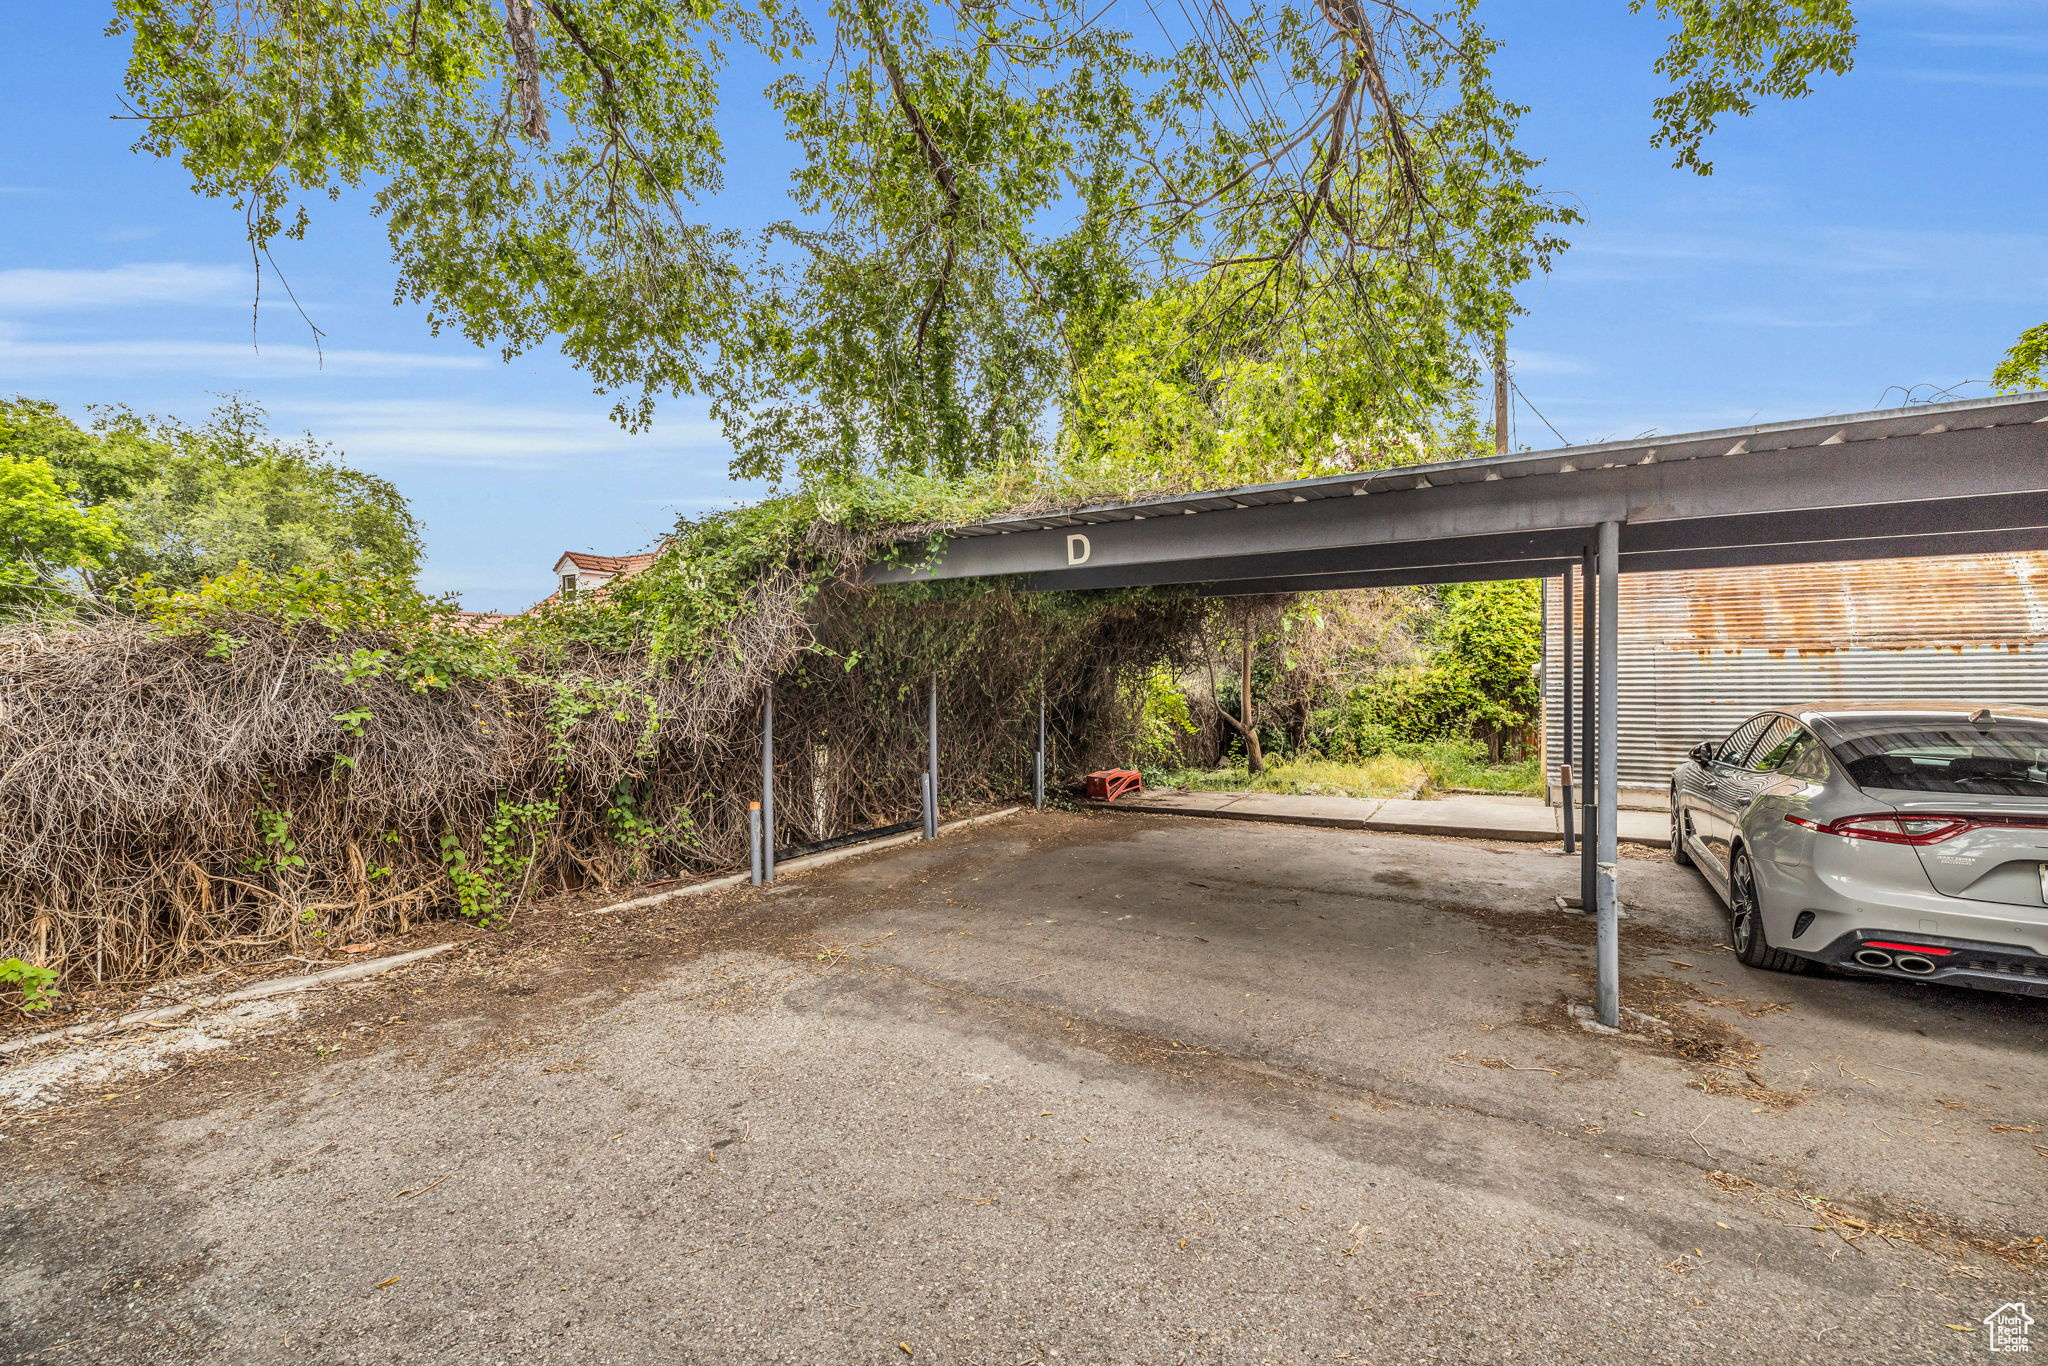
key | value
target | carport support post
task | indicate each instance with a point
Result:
(1588, 648)
(768, 787)
(931, 762)
(1038, 760)
(1608, 968)
(1564, 668)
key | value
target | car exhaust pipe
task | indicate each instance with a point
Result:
(1913, 963)
(1878, 958)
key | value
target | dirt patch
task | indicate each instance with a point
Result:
(1572, 929)
(1930, 1234)
(1745, 1084)
(1665, 1015)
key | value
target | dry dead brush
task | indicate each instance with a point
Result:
(165, 804)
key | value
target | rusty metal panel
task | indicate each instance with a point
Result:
(1702, 649)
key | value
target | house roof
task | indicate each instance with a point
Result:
(481, 621)
(608, 564)
(613, 567)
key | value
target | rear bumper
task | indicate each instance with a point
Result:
(1969, 963)
(1816, 892)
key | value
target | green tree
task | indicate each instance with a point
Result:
(1008, 225)
(2026, 365)
(46, 538)
(984, 196)
(192, 502)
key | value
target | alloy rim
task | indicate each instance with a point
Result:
(1742, 919)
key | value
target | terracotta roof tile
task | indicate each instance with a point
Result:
(627, 565)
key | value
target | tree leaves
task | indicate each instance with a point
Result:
(1725, 54)
(1009, 224)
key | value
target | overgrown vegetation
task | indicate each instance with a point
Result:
(1438, 683)
(1400, 770)
(272, 762)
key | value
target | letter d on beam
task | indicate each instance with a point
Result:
(1078, 549)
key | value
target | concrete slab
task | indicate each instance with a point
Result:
(1644, 827)
(1171, 802)
(1342, 813)
(1500, 818)
(1464, 815)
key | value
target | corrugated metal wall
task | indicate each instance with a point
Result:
(1702, 649)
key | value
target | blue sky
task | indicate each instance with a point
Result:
(1889, 232)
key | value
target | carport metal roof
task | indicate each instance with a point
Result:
(1939, 479)
(1936, 479)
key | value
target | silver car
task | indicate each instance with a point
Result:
(1908, 839)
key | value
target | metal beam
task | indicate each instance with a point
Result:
(1589, 624)
(1564, 664)
(768, 786)
(1383, 554)
(1607, 969)
(931, 762)
(1929, 480)
(1038, 760)
(1649, 561)
(1485, 571)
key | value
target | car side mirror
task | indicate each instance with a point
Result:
(1703, 752)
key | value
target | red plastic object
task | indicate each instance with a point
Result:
(1111, 783)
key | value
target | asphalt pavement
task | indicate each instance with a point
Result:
(1067, 1088)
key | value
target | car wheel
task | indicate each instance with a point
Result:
(1746, 921)
(1678, 854)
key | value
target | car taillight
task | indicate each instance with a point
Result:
(1888, 829)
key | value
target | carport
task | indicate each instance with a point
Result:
(1939, 479)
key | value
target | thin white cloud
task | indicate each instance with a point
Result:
(387, 433)
(24, 356)
(1998, 42)
(1890, 255)
(37, 290)
(1989, 79)
(720, 504)
(1779, 318)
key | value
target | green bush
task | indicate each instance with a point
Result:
(37, 985)
(1164, 720)
(1477, 682)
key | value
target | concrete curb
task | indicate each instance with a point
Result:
(277, 986)
(1145, 808)
(1377, 825)
(796, 865)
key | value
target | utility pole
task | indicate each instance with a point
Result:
(1500, 393)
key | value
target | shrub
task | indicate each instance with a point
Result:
(35, 985)
(271, 761)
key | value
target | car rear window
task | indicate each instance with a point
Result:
(2010, 759)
